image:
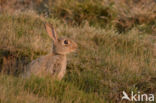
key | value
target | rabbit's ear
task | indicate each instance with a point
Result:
(51, 32)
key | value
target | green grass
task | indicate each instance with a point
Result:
(106, 63)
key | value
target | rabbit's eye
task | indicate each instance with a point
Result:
(66, 42)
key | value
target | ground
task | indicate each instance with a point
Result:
(112, 56)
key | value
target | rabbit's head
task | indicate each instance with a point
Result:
(61, 46)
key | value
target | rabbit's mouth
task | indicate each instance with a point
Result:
(73, 50)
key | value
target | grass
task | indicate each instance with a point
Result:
(122, 14)
(106, 63)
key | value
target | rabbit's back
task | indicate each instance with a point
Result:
(53, 64)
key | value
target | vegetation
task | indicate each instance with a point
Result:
(115, 50)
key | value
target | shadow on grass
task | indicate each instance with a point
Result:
(12, 62)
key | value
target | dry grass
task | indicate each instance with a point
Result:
(132, 13)
(106, 63)
(122, 14)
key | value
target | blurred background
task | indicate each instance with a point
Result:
(122, 14)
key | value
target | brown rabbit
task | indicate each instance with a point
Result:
(55, 62)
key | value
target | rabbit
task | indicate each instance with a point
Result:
(55, 62)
